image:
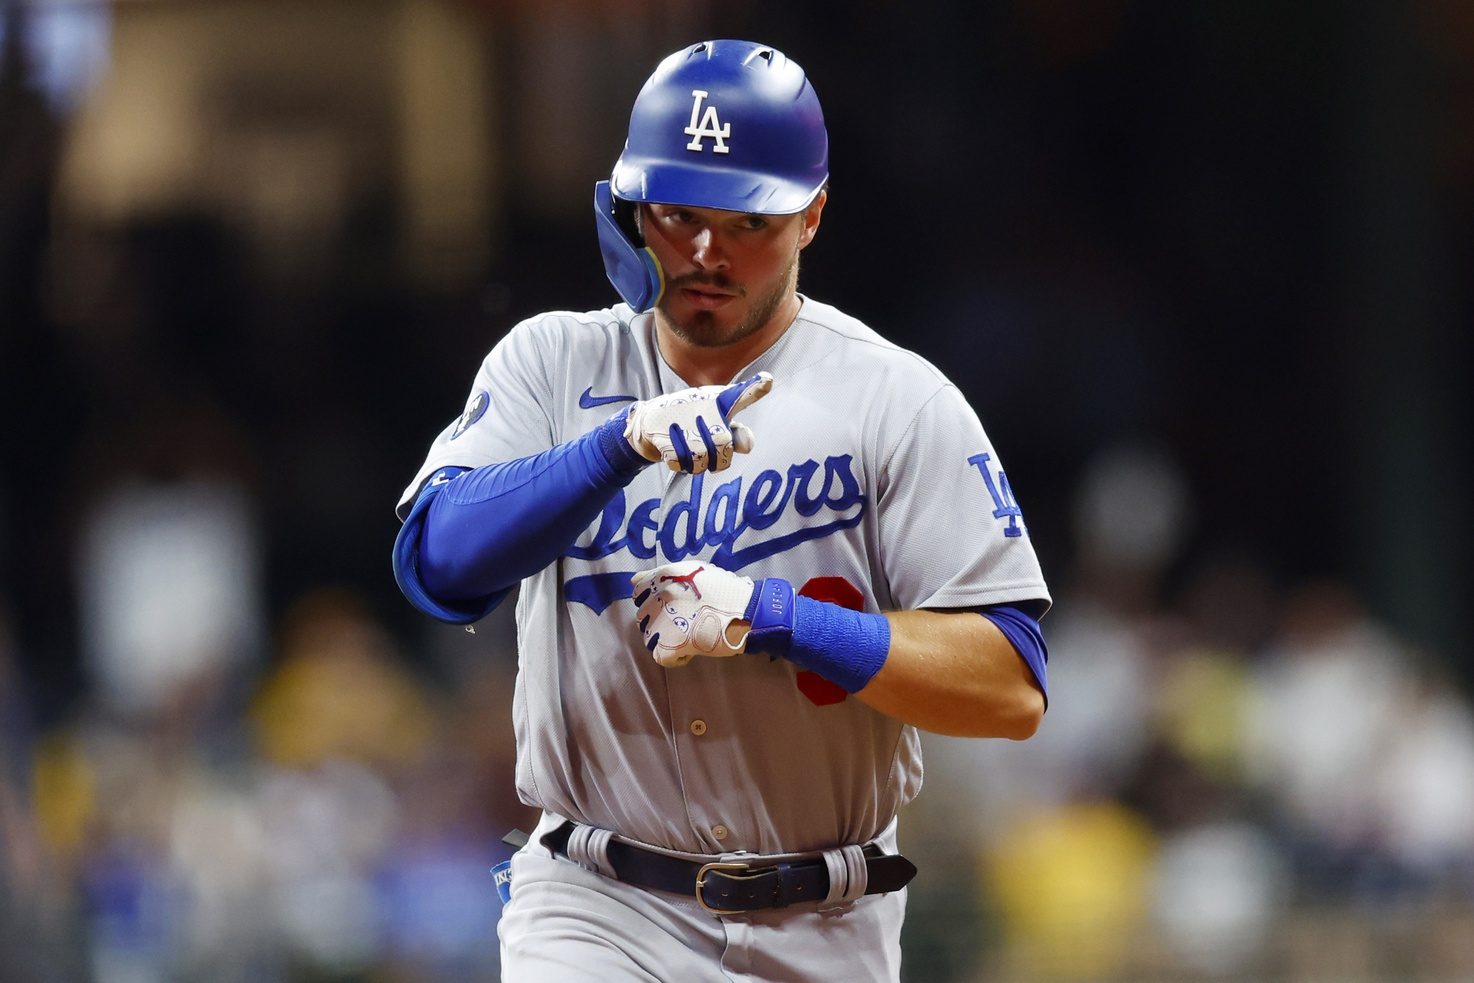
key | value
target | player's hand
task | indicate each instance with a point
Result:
(691, 608)
(691, 430)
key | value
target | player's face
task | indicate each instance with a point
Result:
(728, 274)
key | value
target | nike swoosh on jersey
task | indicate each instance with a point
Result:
(588, 400)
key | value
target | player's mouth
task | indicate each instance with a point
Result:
(704, 298)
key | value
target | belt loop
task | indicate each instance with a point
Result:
(848, 876)
(588, 846)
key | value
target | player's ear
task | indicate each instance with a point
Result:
(811, 219)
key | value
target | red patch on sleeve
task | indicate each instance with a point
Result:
(820, 691)
(836, 590)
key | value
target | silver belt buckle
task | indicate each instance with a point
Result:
(728, 865)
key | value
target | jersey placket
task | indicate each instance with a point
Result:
(700, 730)
(696, 717)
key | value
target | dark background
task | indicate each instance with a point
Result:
(1235, 236)
(1239, 231)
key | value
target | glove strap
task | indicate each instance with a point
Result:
(770, 611)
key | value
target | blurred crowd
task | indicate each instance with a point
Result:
(1236, 779)
(201, 816)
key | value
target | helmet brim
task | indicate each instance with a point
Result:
(704, 186)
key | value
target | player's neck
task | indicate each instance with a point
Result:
(706, 365)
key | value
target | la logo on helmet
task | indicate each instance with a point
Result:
(709, 126)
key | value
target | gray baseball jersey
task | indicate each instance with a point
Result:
(872, 483)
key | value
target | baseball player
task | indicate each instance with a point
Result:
(758, 546)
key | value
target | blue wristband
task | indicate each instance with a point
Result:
(845, 647)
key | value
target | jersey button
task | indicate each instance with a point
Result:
(719, 831)
(698, 727)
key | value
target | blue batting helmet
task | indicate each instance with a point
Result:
(721, 124)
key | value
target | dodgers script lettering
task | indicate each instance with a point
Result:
(731, 513)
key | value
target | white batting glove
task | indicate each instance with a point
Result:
(691, 430)
(691, 608)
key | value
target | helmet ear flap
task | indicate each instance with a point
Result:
(630, 265)
(627, 217)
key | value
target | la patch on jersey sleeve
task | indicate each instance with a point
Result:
(953, 532)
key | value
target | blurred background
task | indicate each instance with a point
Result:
(1204, 268)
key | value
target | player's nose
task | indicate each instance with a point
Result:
(708, 252)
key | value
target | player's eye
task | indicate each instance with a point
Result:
(753, 223)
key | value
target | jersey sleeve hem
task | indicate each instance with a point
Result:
(1003, 594)
(409, 499)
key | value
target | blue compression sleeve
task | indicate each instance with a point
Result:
(1027, 637)
(469, 540)
(407, 567)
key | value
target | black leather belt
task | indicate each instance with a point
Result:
(730, 886)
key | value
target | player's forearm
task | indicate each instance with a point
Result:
(955, 673)
(493, 526)
(952, 672)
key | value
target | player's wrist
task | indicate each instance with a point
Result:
(616, 447)
(845, 647)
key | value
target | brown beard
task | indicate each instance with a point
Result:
(701, 330)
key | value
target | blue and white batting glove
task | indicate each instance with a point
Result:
(691, 430)
(693, 608)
